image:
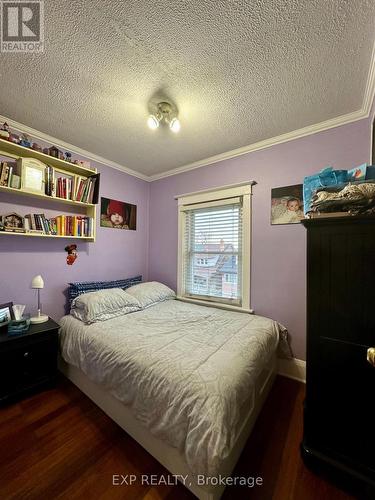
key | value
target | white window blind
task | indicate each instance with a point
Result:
(212, 251)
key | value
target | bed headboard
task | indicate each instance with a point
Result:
(79, 287)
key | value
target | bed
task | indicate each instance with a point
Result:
(185, 381)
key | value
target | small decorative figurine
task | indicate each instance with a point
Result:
(14, 138)
(72, 254)
(36, 147)
(68, 157)
(82, 163)
(53, 151)
(4, 131)
(25, 141)
(14, 223)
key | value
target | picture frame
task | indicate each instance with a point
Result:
(32, 175)
(6, 313)
(287, 205)
(13, 222)
(118, 214)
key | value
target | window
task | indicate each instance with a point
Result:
(214, 246)
(231, 278)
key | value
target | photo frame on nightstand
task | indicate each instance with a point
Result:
(6, 313)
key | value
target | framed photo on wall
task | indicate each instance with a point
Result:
(118, 214)
(287, 205)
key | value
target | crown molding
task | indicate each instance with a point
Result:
(267, 143)
(368, 98)
(20, 127)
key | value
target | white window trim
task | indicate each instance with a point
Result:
(185, 201)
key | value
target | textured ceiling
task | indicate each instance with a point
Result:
(239, 72)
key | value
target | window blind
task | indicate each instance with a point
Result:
(213, 251)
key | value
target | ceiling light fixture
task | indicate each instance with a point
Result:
(175, 125)
(164, 113)
(152, 122)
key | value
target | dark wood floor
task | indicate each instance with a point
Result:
(59, 445)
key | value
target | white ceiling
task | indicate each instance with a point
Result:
(239, 72)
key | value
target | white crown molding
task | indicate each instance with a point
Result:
(292, 368)
(20, 127)
(267, 143)
(368, 98)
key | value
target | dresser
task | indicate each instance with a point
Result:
(28, 362)
(339, 413)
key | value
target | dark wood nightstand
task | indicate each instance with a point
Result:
(28, 362)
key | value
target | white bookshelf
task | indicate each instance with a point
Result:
(15, 151)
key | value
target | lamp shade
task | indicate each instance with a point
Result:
(37, 282)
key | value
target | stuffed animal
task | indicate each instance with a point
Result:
(72, 254)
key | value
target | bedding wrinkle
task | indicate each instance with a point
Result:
(186, 371)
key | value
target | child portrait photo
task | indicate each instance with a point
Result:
(287, 205)
(118, 214)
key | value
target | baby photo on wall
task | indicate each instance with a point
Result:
(287, 205)
(118, 214)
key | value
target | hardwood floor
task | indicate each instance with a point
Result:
(59, 445)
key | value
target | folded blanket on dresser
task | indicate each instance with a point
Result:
(186, 371)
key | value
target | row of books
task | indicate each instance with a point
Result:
(7, 176)
(76, 188)
(62, 225)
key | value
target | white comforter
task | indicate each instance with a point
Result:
(185, 370)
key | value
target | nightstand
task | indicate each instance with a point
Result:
(28, 362)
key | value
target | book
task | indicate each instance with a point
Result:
(15, 181)
(4, 174)
(10, 173)
(49, 180)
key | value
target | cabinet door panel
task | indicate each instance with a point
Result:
(341, 277)
(27, 366)
(342, 400)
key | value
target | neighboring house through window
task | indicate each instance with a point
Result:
(214, 246)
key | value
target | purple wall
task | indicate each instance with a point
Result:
(278, 252)
(115, 254)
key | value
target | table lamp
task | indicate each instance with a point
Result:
(38, 283)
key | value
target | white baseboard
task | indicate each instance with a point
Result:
(292, 368)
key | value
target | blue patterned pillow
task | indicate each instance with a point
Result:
(80, 287)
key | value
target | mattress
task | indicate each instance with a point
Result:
(186, 371)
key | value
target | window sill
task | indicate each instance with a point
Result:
(218, 305)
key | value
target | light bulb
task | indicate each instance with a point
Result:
(175, 125)
(153, 122)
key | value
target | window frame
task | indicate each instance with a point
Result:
(191, 200)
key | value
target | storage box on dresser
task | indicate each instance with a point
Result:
(28, 362)
(340, 382)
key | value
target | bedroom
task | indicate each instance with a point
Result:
(197, 174)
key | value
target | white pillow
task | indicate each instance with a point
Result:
(150, 293)
(103, 304)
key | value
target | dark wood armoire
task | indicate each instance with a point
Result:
(339, 413)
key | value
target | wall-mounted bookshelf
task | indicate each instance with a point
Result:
(87, 238)
(82, 184)
(21, 152)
